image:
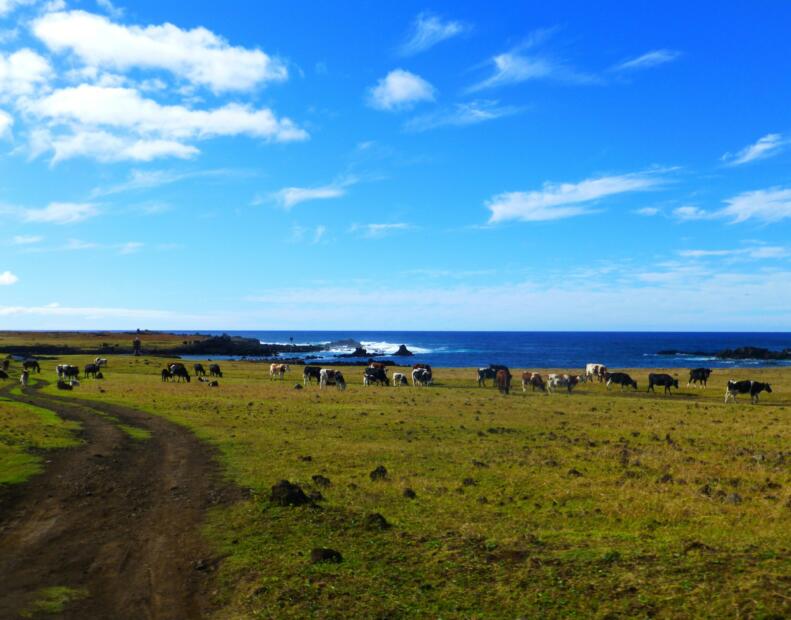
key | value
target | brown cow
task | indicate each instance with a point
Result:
(534, 380)
(503, 381)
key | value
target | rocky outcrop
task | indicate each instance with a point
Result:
(403, 351)
(740, 353)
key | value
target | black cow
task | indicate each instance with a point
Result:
(753, 388)
(6, 364)
(699, 376)
(179, 371)
(31, 366)
(166, 376)
(484, 374)
(311, 372)
(662, 380)
(70, 372)
(214, 370)
(375, 375)
(3, 374)
(620, 378)
(90, 370)
(200, 371)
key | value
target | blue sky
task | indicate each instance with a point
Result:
(395, 165)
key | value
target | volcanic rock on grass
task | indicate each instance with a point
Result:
(321, 481)
(375, 521)
(380, 473)
(322, 554)
(284, 493)
(409, 493)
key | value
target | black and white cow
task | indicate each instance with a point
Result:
(484, 374)
(662, 380)
(311, 372)
(421, 377)
(375, 375)
(399, 378)
(555, 381)
(332, 377)
(179, 371)
(699, 376)
(753, 388)
(620, 378)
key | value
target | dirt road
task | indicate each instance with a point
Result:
(117, 517)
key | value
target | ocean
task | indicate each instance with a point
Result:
(539, 349)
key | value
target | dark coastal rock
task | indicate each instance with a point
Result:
(375, 521)
(284, 493)
(410, 493)
(740, 353)
(403, 351)
(380, 473)
(322, 554)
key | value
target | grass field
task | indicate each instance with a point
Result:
(93, 340)
(598, 503)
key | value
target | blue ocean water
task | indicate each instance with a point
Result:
(540, 349)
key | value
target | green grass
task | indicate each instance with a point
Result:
(25, 432)
(598, 504)
(52, 600)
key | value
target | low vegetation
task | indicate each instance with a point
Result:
(529, 505)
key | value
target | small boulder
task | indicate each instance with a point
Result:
(409, 493)
(321, 481)
(375, 521)
(380, 473)
(322, 554)
(284, 493)
(297, 386)
(733, 498)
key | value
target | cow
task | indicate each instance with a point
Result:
(278, 370)
(70, 371)
(332, 377)
(595, 371)
(503, 380)
(100, 361)
(24, 378)
(375, 375)
(311, 372)
(214, 370)
(199, 370)
(699, 377)
(3, 374)
(662, 380)
(555, 381)
(179, 371)
(620, 378)
(6, 364)
(421, 377)
(753, 388)
(31, 366)
(165, 374)
(399, 378)
(484, 374)
(90, 370)
(423, 366)
(534, 380)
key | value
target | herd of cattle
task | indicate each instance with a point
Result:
(376, 374)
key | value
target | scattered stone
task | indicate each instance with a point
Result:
(483, 500)
(574, 473)
(376, 521)
(733, 498)
(696, 545)
(321, 481)
(380, 473)
(322, 554)
(284, 493)
(666, 478)
(469, 482)
(316, 496)
(409, 493)
(479, 464)
(306, 458)
(297, 386)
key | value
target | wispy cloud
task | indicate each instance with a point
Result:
(139, 180)
(766, 205)
(399, 90)
(461, 115)
(768, 146)
(428, 30)
(760, 252)
(26, 239)
(59, 213)
(648, 60)
(556, 201)
(7, 278)
(372, 231)
(302, 234)
(130, 247)
(648, 211)
(289, 197)
(689, 213)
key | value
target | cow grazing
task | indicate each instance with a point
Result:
(332, 377)
(67, 371)
(24, 378)
(375, 375)
(278, 370)
(165, 374)
(662, 380)
(421, 377)
(699, 377)
(3, 374)
(595, 371)
(100, 361)
(555, 381)
(753, 388)
(534, 380)
(311, 372)
(90, 370)
(620, 378)
(31, 366)
(199, 370)
(503, 379)
(179, 372)
(214, 370)
(484, 374)
(399, 378)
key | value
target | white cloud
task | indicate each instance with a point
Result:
(124, 108)
(87, 313)
(197, 55)
(767, 146)
(26, 239)
(648, 211)
(770, 205)
(562, 200)
(106, 147)
(690, 212)
(130, 247)
(110, 8)
(761, 252)
(427, 31)
(60, 213)
(8, 6)
(7, 278)
(461, 114)
(648, 60)
(400, 90)
(6, 122)
(22, 73)
(371, 231)
(289, 197)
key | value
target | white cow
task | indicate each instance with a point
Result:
(331, 377)
(595, 371)
(399, 378)
(555, 381)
